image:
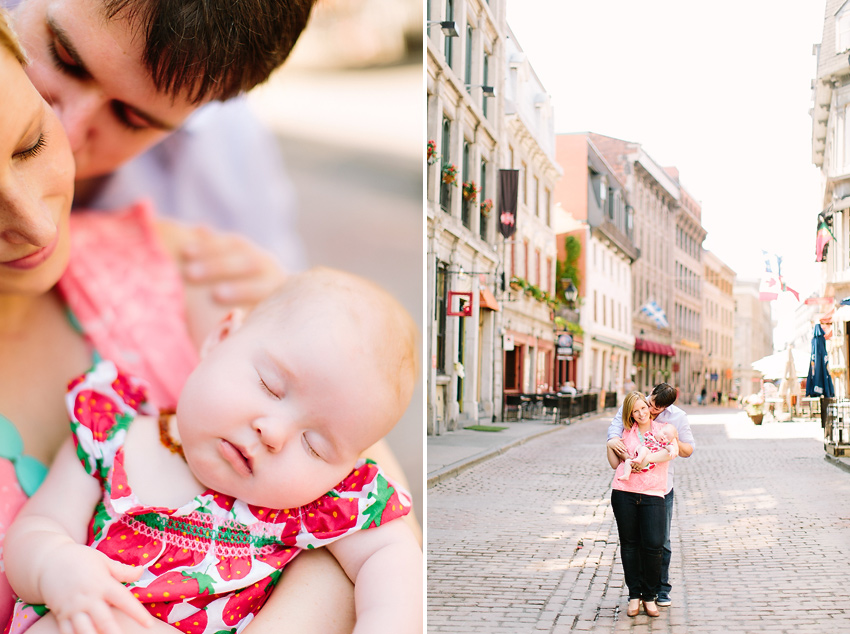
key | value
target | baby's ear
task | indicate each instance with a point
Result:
(227, 326)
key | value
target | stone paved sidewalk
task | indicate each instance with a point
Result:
(526, 541)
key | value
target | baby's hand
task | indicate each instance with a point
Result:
(87, 583)
(673, 448)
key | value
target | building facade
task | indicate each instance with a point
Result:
(464, 126)
(718, 333)
(654, 196)
(687, 316)
(600, 217)
(753, 336)
(831, 154)
(529, 255)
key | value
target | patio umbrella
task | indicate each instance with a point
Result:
(790, 386)
(818, 381)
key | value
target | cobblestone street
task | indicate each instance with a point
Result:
(526, 542)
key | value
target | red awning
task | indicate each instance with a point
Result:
(653, 347)
(487, 299)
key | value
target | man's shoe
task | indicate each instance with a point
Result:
(663, 601)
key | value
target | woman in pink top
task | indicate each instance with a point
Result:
(638, 503)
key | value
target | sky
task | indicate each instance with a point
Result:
(720, 90)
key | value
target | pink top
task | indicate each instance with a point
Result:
(651, 482)
(127, 294)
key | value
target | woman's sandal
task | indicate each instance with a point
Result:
(650, 608)
(634, 607)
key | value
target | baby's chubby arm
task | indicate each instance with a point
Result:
(385, 565)
(48, 562)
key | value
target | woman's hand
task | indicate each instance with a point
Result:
(618, 447)
(240, 272)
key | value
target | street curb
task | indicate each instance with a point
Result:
(841, 464)
(446, 473)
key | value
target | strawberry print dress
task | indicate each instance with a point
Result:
(653, 444)
(211, 564)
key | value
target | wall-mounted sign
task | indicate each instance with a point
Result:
(459, 304)
(564, 345)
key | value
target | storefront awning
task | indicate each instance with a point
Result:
(486, 299)
(653, 347)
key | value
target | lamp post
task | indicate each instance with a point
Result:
(448, 27)
(570, 291)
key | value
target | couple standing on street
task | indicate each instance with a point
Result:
(644, 436)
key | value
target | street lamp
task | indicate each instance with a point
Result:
(570, 291)
(487, 91)
(449, 27)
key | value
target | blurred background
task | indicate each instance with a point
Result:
(348, 110)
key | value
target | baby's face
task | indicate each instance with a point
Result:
(277, 413)
(669, 432)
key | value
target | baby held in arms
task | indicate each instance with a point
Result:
(663, 440)
(190, 516)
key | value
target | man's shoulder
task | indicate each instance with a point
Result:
(673, 414)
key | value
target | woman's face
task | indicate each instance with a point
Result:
(36, 186)
(640, 414)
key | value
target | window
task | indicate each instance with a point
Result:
(440, 317)
(526, 271)
(465, 204)
(842, 30)
(536, 195)
(482, 196)
(485, 79)
(548, 202)
(549, 287)
(523, 176)
(467, 65)
(447, 46)
(539, 279)
(446, 190)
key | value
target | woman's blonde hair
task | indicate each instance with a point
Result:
(629, 404)
(9, 39)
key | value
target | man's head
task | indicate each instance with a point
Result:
(661, 397)
(283, 403)
(122, 74)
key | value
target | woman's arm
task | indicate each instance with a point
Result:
(385, 564)
(613, 456)
(662, 455)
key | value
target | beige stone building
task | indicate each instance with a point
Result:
(753, 336)
(718, 334)
(464, 122)
(688, 319)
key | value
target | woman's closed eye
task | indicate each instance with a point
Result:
(34, 149)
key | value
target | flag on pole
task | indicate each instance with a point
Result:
(824, 236)
(654, 311)
(771, 282)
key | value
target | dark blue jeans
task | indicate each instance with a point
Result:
(641, 522)
(665, 556)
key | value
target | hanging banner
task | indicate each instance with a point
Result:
(508, 190)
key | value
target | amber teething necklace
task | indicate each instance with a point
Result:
(165, 435)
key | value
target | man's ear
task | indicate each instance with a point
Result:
(226, 327)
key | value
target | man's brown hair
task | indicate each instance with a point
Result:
(213, 49)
